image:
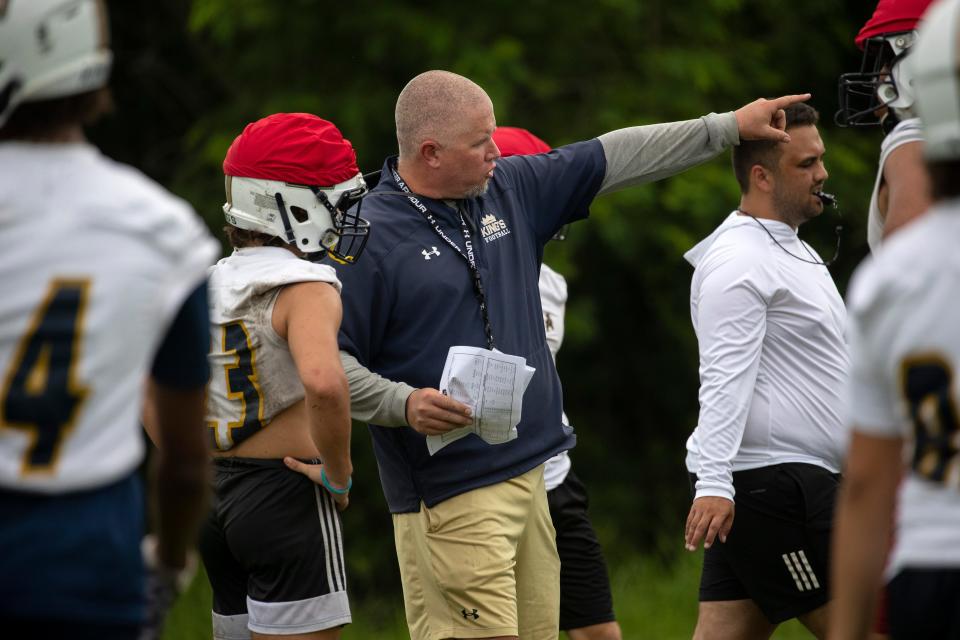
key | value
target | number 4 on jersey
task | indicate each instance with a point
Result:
(41, 395)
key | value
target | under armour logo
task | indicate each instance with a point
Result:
(548, 320)
(428, 254)
(468, 614)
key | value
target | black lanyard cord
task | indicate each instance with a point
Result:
(466, 253)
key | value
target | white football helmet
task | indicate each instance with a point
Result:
(936, 65)
(51, 49)
(316, 220)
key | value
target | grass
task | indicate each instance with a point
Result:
(652, 601)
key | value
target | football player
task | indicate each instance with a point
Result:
(586, 604)
(278, 397)
(882, 93)
(905, 353)
(104, 286)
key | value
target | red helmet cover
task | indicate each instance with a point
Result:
(892, 16)
(298, 148)
(514, 141)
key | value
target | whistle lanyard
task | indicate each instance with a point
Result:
(466, 253)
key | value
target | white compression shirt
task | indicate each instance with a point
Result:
(905, 353)
(773, 354)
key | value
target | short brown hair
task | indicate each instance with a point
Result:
(240, 238)
(35, 120)
(767, 152)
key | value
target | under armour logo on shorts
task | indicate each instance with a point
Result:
(467, 614)
(800, 570)
(428, 254)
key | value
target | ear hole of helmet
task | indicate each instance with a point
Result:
(299, 214)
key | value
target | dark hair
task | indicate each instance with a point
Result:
(33, 120)
(944, 179)
(240, 238)
(766, 153)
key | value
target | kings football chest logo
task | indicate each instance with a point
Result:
(493, 228)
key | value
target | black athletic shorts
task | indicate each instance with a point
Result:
(778, 551)
(924, 604)
(273, 549)
(584, 584)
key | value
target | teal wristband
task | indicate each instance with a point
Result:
(329, 487)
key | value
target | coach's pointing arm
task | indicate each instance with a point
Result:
(636, 155)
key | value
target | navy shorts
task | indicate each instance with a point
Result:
(585, 597)
(778, 550)
(924, 604)
(73, 561)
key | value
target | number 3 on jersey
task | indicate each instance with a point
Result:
(41, 395)
(928, 388)
(242, 384)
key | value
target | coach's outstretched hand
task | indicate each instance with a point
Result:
(710, 517)
(765, 119)
(431, 413)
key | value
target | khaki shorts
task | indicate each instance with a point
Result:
(481, 564)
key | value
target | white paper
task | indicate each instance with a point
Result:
(492, 384)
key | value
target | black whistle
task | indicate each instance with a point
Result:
(828, 199)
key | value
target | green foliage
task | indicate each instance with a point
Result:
(189, 76)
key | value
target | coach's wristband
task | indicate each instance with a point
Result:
(329, 487)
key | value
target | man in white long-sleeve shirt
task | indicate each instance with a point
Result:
(773, 363)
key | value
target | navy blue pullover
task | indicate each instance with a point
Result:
(411, 297)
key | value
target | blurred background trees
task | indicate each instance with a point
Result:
(189, 76)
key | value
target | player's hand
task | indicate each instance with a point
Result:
(765, 119)
(431, 413)
(710, 517)
(164, 585)
(312, 471)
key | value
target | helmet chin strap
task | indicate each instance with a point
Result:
(285, 217)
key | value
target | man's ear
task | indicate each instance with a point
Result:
(761, 178)
(430, 152)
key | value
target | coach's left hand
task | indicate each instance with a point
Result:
(710, 517)
(765, 119)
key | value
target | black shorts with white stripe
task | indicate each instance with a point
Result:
(777, 553)
(272, 546)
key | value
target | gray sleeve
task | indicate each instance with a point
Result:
(373, 398)
(644, 154)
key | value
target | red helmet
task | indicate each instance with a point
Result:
(294, 176)
(514, 141)
(882, 91)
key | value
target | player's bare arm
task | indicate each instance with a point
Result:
(181, 470)
(862, 532)
(905, 193)
(308, 316)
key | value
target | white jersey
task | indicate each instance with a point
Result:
(553, 299)
(905, 349)
(96, 262)
(906, 131)
(773, 354)
(253, 376)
